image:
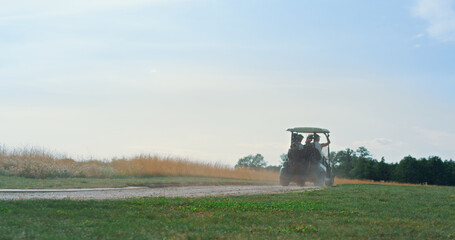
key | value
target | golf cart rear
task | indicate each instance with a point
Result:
(305, 163)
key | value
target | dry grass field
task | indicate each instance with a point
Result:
(146, 165)
(341, 181)
(37, 163)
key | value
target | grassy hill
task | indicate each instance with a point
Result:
(342, 212)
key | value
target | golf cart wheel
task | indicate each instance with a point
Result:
(284, 181)
(301, 183)
(332, 180)
(321, 180)
(328, 182)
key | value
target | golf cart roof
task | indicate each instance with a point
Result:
(308, 130)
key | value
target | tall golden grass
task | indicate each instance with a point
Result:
(38, 163)
(340, 181)
(146, 165)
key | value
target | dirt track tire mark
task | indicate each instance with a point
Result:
(123, 193)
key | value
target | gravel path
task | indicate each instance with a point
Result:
(133, 192)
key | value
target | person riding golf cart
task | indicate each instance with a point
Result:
(307, 163)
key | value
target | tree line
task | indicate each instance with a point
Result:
(359, 164)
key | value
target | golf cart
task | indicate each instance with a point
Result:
(305, 163)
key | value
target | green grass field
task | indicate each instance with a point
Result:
(15, 182)
(347, 211)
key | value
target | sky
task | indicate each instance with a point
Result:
(214, 80)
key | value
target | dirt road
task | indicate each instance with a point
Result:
(133, 192)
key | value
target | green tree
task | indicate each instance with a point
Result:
(359, 164)
(408, 170)
(436, 171)
(363, 152)
(383, 170)
(251, 161)
(332, 159)
(450, 172)
(343, 163)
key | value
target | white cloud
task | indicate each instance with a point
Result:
(440, 16)
(417, 36)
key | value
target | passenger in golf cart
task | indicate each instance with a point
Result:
(306, 162)
(318, 145)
